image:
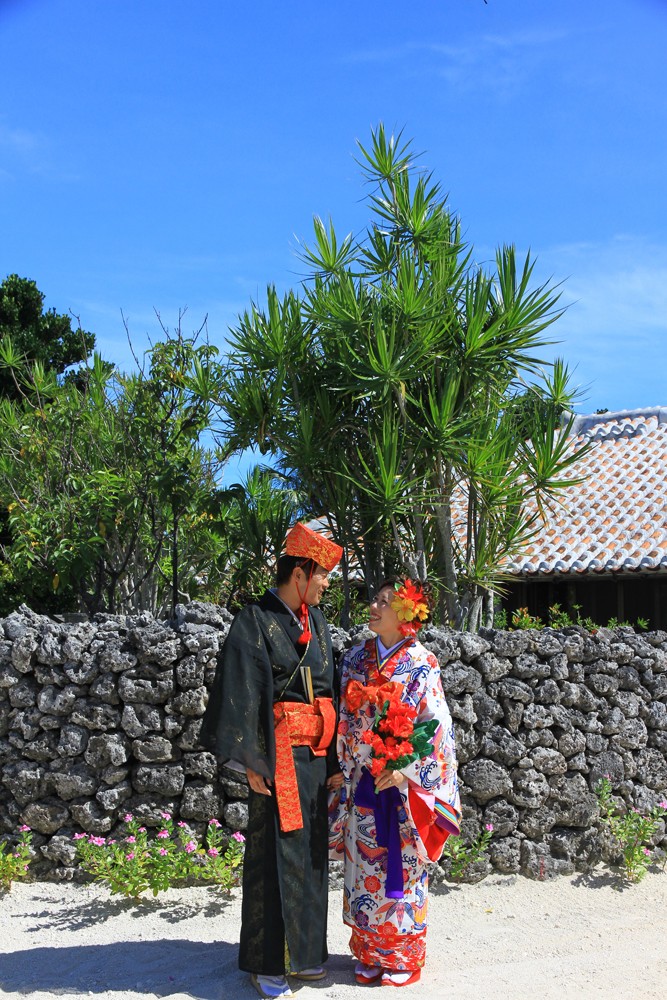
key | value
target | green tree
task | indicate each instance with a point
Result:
(110, 497)
(403, 392)
(37, 334)
(260, 511)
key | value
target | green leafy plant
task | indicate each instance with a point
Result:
(333, 603)
(462, 854)
(521, 619)
(631, 830)
(584, 622)
(14, 863)
(134, 864)
(559, 618)
(617, 623)
(223, 860)
(500, 620)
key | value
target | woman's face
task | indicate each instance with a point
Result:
(383, 618)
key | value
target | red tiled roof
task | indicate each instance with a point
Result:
(616, 520)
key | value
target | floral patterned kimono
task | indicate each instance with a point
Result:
(389, 931)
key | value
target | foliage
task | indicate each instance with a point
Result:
(253, 522)
(109, 495)
(559, 618)
(33, 334)
(631, 830)
(461, 854)
(521, 619)
(135, 864)
(14, 863)
(402, 393)
(333, 603)
(500, 620)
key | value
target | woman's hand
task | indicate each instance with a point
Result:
(335, 781)
(257, 782)
(388, 779)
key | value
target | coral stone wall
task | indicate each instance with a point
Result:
(102, 717)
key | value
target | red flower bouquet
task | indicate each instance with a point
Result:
(396, 738)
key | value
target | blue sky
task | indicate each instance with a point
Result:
(161, 155)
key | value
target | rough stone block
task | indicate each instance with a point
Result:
(486, 780)
(164, 780)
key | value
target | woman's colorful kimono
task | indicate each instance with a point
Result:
(391, 932)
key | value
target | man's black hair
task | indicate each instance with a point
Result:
(287, 564)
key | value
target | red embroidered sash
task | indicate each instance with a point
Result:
(298, 724)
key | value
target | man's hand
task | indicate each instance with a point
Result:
(257, 782)
(335, 781)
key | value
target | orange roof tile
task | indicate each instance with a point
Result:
(616, 520)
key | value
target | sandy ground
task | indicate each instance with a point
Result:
(503, 938)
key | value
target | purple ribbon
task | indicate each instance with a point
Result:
(385, 805)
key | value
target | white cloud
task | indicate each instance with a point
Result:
(498, 64)
(615, 328)
(22, 150)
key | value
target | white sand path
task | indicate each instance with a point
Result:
(508, 938)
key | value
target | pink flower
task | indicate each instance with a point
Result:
(213, 851)
(647, 852)
(181, 823)
(142, 829)
(130, 855)
(165, 815)
(163, 851)
(98, 841)
(213, 822)
(162, 834)
(663, 804)
(489, 827)
(128, 817)
(239, 837)
(190, 847)
(24, 829)
(79, 836)
(131, 840)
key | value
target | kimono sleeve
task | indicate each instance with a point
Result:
(436, 773)
(238, 722)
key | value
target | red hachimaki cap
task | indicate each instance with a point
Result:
(304, 543)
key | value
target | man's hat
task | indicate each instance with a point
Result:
(304, 543)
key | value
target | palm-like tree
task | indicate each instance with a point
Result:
(391, 390)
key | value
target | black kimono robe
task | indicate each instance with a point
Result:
(285, 875)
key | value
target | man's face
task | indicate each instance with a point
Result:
(318, 584)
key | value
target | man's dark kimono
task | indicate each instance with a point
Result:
(285, 876)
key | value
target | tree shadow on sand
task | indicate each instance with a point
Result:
(96, 911)
(205, 971)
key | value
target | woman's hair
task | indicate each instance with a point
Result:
(287, 564)
(424, 585)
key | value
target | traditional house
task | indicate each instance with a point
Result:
(604, 546)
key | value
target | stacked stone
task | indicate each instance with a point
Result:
(100, 718)
(541, 717)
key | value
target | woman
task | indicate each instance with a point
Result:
(399, 801)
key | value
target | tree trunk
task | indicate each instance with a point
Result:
(443, 516)
(489, 608)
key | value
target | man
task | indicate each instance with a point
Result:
(271, 712)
